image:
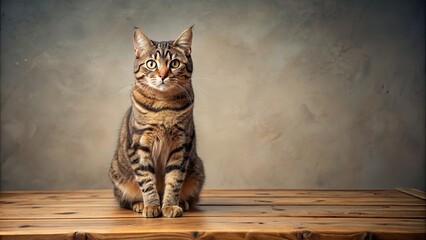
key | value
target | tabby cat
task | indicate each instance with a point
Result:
(155, 169)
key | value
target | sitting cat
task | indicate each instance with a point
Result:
(155, 169)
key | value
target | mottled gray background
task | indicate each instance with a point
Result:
(290, 94)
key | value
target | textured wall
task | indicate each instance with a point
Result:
(290, 94)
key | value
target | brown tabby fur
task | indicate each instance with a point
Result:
(155, 169)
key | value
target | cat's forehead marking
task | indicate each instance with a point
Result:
(162, 50)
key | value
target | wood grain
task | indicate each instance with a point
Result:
(53, 212)
(222, 214)
(77, 194)
(413, 192)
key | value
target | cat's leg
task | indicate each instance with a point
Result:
(144, 170)
(128, 195)
(119, 196)
(175, 171)
(194, 181)
(126, 189)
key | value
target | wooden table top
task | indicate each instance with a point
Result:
(221, 214)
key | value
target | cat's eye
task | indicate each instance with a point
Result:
(151, 64)
(175, 63)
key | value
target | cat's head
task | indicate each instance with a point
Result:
(165, 66)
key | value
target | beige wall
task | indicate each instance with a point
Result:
(290, 94)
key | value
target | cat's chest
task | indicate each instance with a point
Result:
(165, 119)
(161, 112)
(168, 119)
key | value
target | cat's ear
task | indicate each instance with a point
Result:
(140, 42)
(185, 40)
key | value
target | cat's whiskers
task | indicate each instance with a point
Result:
(184, 91)
(199, 93)
(198, 86)
(176, 82)
(202, 97)
(152, 82)
(126, 89)
(180, 86)
(141, 87)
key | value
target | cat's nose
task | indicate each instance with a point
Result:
(163, 73)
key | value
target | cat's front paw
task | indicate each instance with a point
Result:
(137, 207)
(151, 211)
(172, 211)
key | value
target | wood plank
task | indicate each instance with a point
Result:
(60, 200)
(211, 224)
(413, 192)
(305, 235)
(311, 201)
(223, 236)
(222, 214)
(106, 193)
(301, 193)
(55, 212)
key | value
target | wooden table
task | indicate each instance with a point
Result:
(221, 214)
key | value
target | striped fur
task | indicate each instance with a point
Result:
(155, 168)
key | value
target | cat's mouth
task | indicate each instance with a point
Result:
(161, 84)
